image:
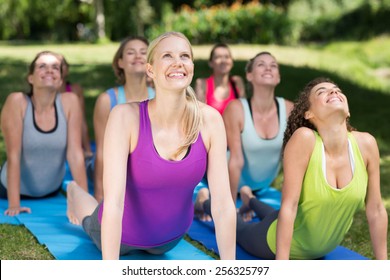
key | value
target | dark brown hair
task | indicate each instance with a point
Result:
(119, 72)
(216, 46)
(301, 106)
(249, 64)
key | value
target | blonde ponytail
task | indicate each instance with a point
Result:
(192, 121)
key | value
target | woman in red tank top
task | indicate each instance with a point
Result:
(220, 88)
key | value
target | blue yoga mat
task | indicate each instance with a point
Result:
(204, 232)
(65, 241)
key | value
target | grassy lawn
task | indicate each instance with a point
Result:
(362, 70)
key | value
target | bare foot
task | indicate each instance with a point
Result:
(69, 201)
(203, 195)
(245, 211)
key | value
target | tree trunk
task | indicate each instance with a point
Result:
(100, 20)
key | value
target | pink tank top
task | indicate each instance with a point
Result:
(220, 105)
(158, 200)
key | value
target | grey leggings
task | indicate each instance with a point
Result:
(92, 227)
(252, 236)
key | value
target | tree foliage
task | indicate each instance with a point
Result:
(73, 20)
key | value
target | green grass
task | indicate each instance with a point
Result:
(17, 243)
(360, 68)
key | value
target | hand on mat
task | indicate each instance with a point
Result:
(203, 195)
(247, 215)
(13, 211)
(203, 216)
(245, 211)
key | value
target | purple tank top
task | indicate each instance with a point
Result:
(158, 200)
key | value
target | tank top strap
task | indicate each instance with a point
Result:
(59, 107)
(145, 129)
(29, 107)
(121, 95)
(282, 113)
(209, 87)
(247, 111)
(113, 101)
(151, 93)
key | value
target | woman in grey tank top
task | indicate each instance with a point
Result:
(41, 129)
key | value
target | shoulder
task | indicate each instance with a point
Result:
(124, 119)
(68, 100)
(234, 112)
(211, 119)
(303, 139)
(68, 96)
(125, 113)
(234, 107)
(16, 98)
(15, 102)
(304, 133)
(209, 114)
(104, 99)
(366, 142)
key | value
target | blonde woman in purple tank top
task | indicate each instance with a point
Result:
(155, 153)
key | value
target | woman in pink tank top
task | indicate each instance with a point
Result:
(220, 88)
(174, 137)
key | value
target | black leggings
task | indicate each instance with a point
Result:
(3, 193)
(252, 236)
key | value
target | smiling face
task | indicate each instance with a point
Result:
(264, 70)
(171, 63)
(133, 58)
(46, 72)
(221, 60)
(325, 99)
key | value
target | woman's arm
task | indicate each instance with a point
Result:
(233, 117)
(77, 89)
(100, 117)
(116, 151)
(296, 158)
(222, 206)
(12, 116)
(375, 210)
(240, 86)
(200, 89)
(289, 107)
(74, 152)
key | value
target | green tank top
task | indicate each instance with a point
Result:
(324, 214)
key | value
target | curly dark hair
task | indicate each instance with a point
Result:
(301, 105)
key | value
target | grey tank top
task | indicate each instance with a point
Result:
(42, 162)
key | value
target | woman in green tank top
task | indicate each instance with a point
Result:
(328, 176)
(330, 172)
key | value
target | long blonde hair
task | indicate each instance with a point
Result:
(192, 119)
